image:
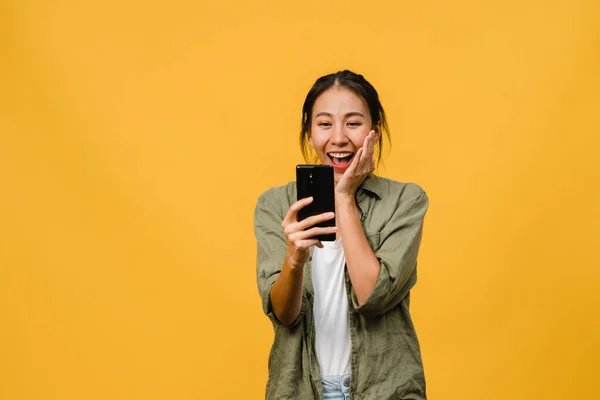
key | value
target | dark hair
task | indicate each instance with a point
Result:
(359, 85)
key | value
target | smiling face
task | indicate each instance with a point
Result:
(340, 123)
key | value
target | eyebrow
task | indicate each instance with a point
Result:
(348, 115)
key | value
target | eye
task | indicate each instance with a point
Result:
(354, 123)
(324, 124)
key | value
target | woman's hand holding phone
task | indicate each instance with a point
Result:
(300, 234)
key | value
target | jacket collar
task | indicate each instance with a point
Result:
(373, 185)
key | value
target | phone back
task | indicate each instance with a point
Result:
(316, 181)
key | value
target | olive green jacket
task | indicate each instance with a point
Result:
(385, 358)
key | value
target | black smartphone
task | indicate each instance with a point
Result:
(316, 181)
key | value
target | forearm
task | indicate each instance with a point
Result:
(363, 265)
(286, 293)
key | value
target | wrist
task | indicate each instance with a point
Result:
(344, 199)
(293, 263)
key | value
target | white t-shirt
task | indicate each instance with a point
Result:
(333, 344)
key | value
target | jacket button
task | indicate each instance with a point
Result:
(347, 382)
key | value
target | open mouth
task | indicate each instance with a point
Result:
(340, 160)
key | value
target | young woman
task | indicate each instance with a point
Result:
(340, 309)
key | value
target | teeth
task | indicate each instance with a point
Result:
(340, 155)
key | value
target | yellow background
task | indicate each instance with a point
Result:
(136, 137)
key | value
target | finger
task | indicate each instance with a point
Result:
(355, 161)
(366, 161)
(306, 243)
(319, 245)
(371, 160)
(373, 143)
(315, 219)
(309, 234)
(292, 213)
(366, 141)
(370, 141)
(312, 232)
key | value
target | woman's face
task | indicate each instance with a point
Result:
(340, 123)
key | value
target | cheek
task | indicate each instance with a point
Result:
(359, 138)
(317, 142)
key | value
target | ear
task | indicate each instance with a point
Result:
(310, 141)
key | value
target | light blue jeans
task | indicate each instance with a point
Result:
(336, 387)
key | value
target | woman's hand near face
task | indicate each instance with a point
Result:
(300, 234)
(363, 265)
(362, 165)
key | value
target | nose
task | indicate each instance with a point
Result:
(338, 137)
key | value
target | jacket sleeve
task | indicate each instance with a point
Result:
(397, 253)
(270, 253)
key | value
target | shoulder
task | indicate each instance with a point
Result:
(397, 191)
(398, 204)
(278, 198)
(398, 199)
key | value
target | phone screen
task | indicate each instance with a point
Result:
(316, 181)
